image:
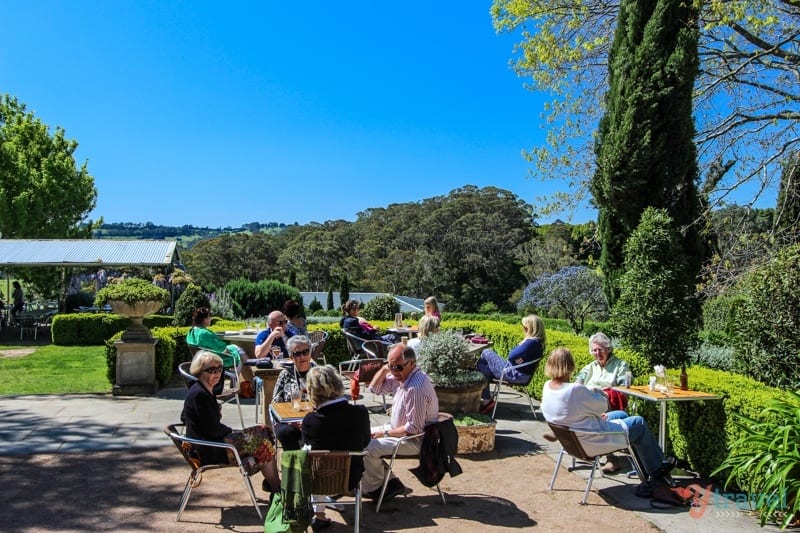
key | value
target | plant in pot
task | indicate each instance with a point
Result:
(445, 357)
(135, 298)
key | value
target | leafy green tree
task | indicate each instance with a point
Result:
(43, 194)
(260, 298)
(344, 291)
(329, 305)
(787, 211)
(767, 347)
(645, 153)
(746, 99)
(191, 298)
(381, 308)
(216, 261)
(314, 306)
(317, 252)
(655, 311)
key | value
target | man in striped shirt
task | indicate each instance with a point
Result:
(415, 405)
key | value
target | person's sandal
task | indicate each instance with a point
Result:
(549, 436)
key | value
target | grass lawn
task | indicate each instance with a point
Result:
(54, 370)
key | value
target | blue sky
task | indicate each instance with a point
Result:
(209, 114)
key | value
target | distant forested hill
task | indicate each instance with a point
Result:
(186, 235)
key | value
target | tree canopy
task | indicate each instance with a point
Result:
(746, 99)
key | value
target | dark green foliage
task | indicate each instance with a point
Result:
(261, 298)
(720, 324)
(329, 305)
(293, 278)
(314, 306)
(191, 298)
(78, 299)
(787, 210)
(768, 345)
(655, 310)
(344, 291)
(381, 308)
(218, 260)
(645, 151)
(86, 328)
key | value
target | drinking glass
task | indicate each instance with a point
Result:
(276, 352)
(296, 399)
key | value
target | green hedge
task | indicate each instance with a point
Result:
(165, 353)
(93, 329)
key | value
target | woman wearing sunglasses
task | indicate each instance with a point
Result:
(203, 418)
(293, 380)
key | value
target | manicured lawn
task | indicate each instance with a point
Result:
(54, 370)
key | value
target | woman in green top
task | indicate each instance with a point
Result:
(202, 337)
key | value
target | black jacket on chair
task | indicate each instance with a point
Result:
(438, 453)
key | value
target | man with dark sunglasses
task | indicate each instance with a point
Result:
(415, 405)
(276, 334)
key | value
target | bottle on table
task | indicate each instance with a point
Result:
(684, 378)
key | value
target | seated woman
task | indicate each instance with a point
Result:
(604, 372)
(232, 356)
(578, 407)
(296, 324)
(203, 418)
(530, 348)
(292, 380)
(427, 324)
(432, 307)
(354, 324)
(334, 424)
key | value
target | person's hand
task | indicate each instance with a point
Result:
(604, 416)
(277, 333)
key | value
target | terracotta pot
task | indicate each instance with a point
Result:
(456, 400)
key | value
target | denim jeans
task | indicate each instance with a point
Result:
(643, 442)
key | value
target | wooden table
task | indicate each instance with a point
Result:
(284, 412)
(662, 398)
(476, 349)
(404, 331)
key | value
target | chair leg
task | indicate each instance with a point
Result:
(239, 407)
(555, 470)
(250, 490)
(357, 525)
(187, 491)
(387, 475)
(589, 481)
(496, 396)
(259, 386)
(441, 494)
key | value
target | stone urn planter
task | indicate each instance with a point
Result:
(136, 351)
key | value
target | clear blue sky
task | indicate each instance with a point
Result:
(222, 113)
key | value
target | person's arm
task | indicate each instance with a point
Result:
(583, 375)
(281, 393)
(593, 401)
(379, 380)
(203, 412)
(416, 410)
(265, 340)
(208, 339)
(619, 372)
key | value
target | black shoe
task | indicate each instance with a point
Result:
(394, 488)
(318, 524)
(663, 471)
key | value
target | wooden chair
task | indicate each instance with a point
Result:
(330, 476)
(186, 446)
(388, 461)
(228, 394)
(498, 383)
(605, 442)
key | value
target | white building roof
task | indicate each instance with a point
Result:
(85, 252)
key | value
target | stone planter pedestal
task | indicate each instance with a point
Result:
(136, 352)
(136, 368)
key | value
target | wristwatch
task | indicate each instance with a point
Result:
(385, 433)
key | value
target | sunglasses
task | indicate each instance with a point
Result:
(213, 369)
(398, 368)
(300, 353)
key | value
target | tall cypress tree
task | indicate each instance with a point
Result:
(645, 150)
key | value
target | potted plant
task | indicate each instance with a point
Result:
(135, 298)
(445, 357)
(476, 433)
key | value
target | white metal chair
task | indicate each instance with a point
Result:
(365, 368)
(330, 476)
(186, 446)
(355, 345)
(397, 455)
(318, 339)
(498, 383)
(602, 442)
(228, 393)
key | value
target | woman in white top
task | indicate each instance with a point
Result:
(427, 325)
(578, 407)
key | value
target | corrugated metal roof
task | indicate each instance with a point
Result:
(407, 304)
(85, 252)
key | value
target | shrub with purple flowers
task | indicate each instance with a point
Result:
(574, 293)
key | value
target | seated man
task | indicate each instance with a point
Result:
(276, 334)
(578, 407)
(415, 406)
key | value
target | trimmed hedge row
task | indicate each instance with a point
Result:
(94, 329)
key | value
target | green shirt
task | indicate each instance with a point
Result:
(206, 339)
(611, 375)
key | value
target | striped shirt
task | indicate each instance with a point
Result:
(415, 402)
